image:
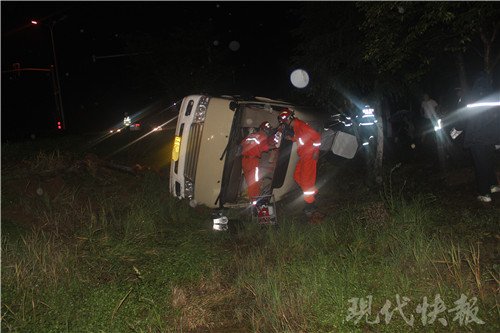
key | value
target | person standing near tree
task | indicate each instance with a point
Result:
(481, 125)
(428, 111)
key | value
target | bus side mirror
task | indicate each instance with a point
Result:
(233, 105)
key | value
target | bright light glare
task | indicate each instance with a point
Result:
(127, 121)
(108, 134)
(438, 126)
(475, 105)
(142, 137)
(34, 22)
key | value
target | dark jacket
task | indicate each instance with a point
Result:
(481, 126)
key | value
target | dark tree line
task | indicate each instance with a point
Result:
(384, 51)
(392, 48)
(391, 52)
(180, 60)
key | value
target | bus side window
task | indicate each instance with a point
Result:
(189, 108)
(282, 165)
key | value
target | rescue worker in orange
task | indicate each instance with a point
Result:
(253, 146)
(308, 142)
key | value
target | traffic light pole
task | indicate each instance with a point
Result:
(18, 70)
(55, 77)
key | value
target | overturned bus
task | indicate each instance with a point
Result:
(206, 167)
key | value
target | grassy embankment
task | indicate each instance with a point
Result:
(89, 251)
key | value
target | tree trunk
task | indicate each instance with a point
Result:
(379, 157)
(490, 60)
(462, 76)
(487, 53)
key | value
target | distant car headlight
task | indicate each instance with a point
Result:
(188, 189)
(201, 110)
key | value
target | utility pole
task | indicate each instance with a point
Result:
(55, 73)
(17, 70)
(57, 85)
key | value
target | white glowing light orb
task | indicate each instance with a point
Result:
(412, 146)
(299, 78)
(234, 46)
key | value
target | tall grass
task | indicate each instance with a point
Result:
(98, 259)
(300, 278)
(128, 257)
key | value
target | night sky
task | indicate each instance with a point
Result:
(97, 89)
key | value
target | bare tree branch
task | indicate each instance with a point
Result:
(495, 30)
(479, 53)
(495, 62)
(483, 36)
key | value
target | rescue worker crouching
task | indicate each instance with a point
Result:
(252, 147)
(308, 144)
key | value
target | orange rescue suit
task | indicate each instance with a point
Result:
(308, 143)
(252, 147)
